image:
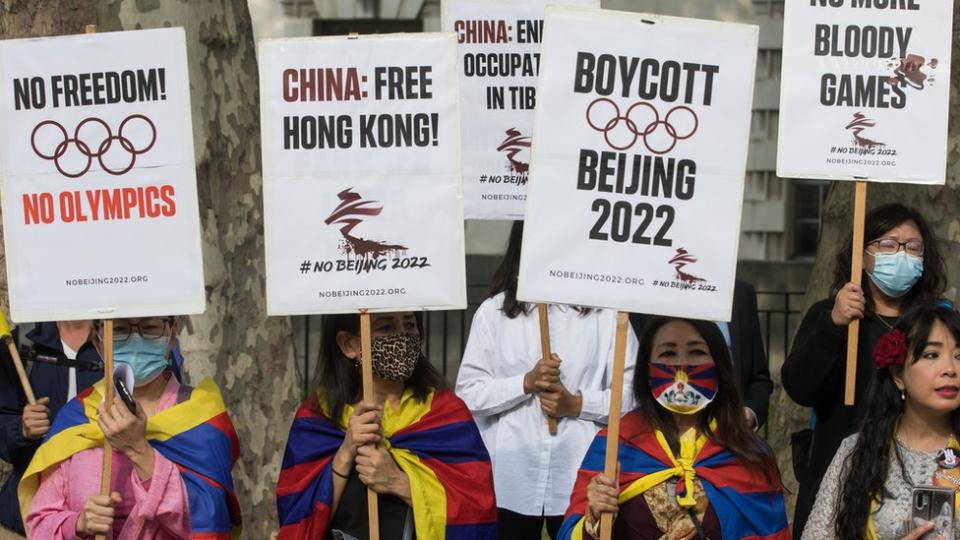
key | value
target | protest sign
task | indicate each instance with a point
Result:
(865, 90)
(361, 158)
(638, 160)
(99, 185)
(499, 58)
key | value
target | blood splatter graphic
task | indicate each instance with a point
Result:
(857, 126)
(347, 214)
(681, 259)
(512, 146)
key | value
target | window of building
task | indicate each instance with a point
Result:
(806, 211)
(768, 63)
(764, 125)
(768, 8)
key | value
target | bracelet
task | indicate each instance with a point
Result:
(591, 527)
(334, 469)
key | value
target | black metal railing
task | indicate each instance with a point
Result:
(447, 331)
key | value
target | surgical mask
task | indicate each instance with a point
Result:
(395, 356)
(147, 358)
(683, 389)
(896, 273)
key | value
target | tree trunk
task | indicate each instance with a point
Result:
(249, 356)
(939, 207)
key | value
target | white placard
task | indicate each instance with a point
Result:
(640, 146)
(99, 184)
(361, 159)
(499, 52)
(865, 90)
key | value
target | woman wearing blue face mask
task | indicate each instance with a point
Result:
(902, 268)
(173, 450)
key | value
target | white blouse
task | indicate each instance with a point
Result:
(534, 472)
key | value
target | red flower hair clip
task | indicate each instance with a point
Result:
(891, 350)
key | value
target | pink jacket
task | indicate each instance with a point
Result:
(155, 509)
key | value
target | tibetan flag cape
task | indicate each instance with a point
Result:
(195, 434)
(747, 504)
(435, 442)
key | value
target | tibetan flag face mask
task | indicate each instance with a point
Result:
(683, 389)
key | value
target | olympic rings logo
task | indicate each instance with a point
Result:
(92, 139)
(621, 131)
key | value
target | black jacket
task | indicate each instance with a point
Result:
(813, 375)
(47, 381)
(746, 344)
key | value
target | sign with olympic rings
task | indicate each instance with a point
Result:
(499, 58)
(865, 90)
(99, 194)
(641, 135)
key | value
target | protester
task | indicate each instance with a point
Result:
(415, 445)
(745, 341)
(908, 437)
(902, 268)
(171, 458)
(511, 389)
(690, 467)
(71, 365)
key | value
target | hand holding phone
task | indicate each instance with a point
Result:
(932, 504)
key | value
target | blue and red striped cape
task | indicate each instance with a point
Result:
(435, 442)
(195, 434)
(747, 504)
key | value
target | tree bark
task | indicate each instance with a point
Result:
(249, 355)
(939, 207)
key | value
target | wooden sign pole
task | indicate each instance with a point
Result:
(107, 381)
(107, 405)
(366, 367)
(856, 271)
(545, 347)
(613, 424)
(21, 372)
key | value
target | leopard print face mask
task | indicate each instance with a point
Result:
(395, 356)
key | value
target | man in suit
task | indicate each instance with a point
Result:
(72, 364)
(745, 341)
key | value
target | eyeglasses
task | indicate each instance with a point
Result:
(151, 328)
(891, 245)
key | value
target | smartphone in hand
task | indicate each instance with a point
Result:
(933, 504)
(122, 390)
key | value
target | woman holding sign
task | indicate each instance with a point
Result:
(690, 467)
(908, 441)
(416, 445)
(902, 268)
(173, 450)
(510, 387)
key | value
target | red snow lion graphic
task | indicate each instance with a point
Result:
(349, 214)
(681, 259)
(513, 145)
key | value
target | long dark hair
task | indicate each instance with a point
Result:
(870, 458)
(726, 408)
(338, 379)
(505, 278)
(878, 222)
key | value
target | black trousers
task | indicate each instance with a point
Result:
(511, 525)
